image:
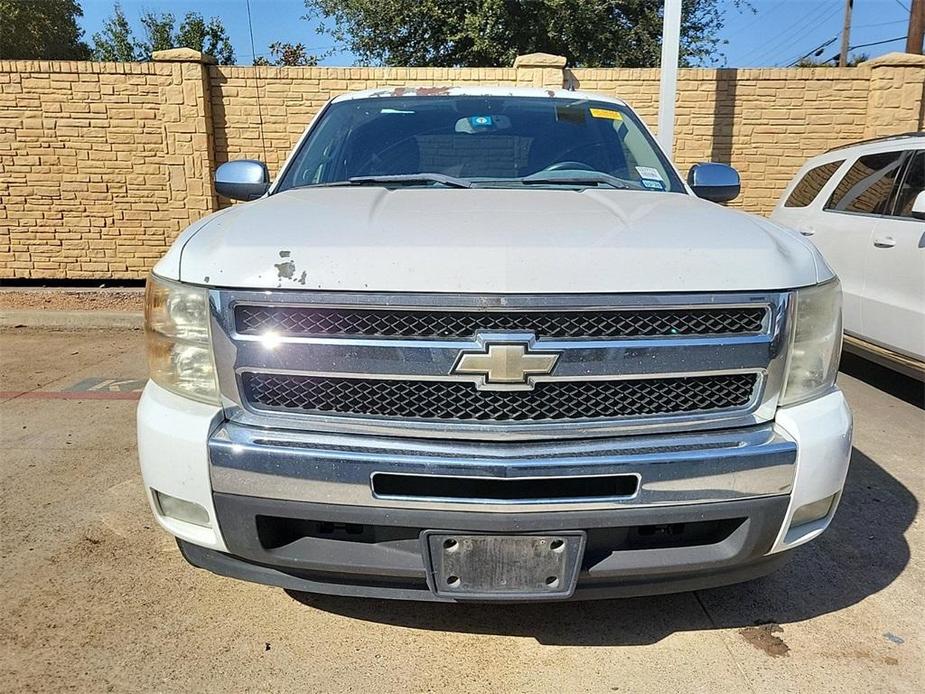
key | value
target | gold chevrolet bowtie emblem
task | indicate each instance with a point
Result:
(506, 365)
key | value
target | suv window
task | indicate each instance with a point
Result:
(912, 185)
(810, 185)
(867, 185)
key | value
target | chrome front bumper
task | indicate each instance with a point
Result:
(672, 469)
(302, 510)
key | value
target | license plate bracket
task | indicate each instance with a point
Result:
(467, 566)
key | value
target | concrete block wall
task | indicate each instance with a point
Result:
(103, 164)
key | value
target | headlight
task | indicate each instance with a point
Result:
(179, 346)
(816, 344)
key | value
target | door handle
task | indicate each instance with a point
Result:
(807, 231)
(884, 242)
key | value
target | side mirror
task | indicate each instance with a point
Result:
(918, 206)
(716, 182)
(244, 179)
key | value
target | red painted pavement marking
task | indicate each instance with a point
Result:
(69, 395)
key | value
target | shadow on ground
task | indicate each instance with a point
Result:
(862, 552)
(902, 387)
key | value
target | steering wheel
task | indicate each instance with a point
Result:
(569, 166)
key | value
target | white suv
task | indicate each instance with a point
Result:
(863, 206)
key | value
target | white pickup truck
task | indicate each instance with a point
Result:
(486, 344)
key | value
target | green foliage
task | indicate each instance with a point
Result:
(117, 42)
(476, 33)
(41, 30)
(159, 33)
(209, 37)
(287, 54)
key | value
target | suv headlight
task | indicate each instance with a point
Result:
(816, 344)
(179, 344)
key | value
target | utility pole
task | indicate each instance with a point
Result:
(845, 34)
(916, 27)
(668, 85)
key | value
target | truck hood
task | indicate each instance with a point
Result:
(490, 241)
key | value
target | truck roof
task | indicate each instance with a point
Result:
(425, 91)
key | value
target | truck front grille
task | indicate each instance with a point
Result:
(459, 401)
(308, 321)
(392, 364)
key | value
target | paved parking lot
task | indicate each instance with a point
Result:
(94, 597)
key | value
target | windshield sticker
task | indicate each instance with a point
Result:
(654, 185)
(606, 113)
(649, 173)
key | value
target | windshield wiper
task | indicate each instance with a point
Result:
(579, 178)
(443, 179)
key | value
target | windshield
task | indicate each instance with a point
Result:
(496, 141)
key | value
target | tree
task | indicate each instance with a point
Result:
(194, 32)
(287, 54)
(117, 42)
(159, 33)
(41, 30)
(477, 33)
(209, 37)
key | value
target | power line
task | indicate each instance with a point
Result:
(250, 28)
(795, 38)
(762, 48)
(810, 24)
(757, 18)
(877, 43)
(879, 24)
(815, 51)
(800, 29)
(862, 45)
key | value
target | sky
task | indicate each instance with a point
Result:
(777, 33)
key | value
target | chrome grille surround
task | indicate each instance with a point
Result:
(759, 354)
(301, 321)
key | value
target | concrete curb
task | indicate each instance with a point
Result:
(72, 320)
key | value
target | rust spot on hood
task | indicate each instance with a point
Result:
(432, 91)
(285, 270)
(412, 91)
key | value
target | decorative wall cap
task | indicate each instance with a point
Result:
(182, 55)
(540, 60)
(896, 60)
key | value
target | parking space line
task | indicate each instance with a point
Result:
(69, 395)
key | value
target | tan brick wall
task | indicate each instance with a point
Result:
(103, 164)
(897, 94)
